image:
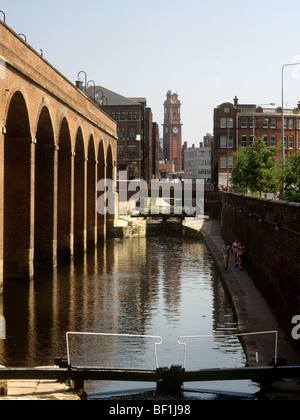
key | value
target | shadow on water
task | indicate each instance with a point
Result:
(162, 286)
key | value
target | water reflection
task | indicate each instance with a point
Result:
(155, 286)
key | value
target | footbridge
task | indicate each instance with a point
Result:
(55, 145)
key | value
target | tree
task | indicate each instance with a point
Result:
(291, 178)
(256, 169)
(239, 174)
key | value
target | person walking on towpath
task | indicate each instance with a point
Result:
(241, 255)
(226, 250)
(235, 246)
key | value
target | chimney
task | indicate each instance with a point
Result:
(236, 100)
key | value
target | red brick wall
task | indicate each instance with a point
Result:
(272, 256)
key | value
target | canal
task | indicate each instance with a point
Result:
(158, 286)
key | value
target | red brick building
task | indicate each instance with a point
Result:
(236, 125)
(138, 135)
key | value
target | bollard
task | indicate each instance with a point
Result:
(170, 381)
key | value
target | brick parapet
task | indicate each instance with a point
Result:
(270, 231)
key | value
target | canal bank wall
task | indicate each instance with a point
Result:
(270, 231)
(253, 314)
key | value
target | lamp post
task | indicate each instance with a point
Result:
(282, 110)
(92, 81)
(4, 17)
(78, 83)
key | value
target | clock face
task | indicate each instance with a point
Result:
(175, 130)
(166, 130)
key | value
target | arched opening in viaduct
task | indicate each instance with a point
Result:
(91, 194)
(101, 220)
(110, 175)
(80, 194)
(65, 236)
(45, 217)
(18, 186)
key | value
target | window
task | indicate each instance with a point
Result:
(120, 152)
(132, 134)
(266, 123)
(223, 142)
(120, 132)
(291, 142)
(244, 122)
(252, 141)
(122, 116)
(266, 140)
(273, 141)
(229, 122)
(226, 122)
(132, 152)
(117, 115)
(291, 123)
(230, 142)
(244, 141)
(273, 123)
(223, 162)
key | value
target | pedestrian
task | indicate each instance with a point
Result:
(235, 246)
(226, 249)
(241, 255)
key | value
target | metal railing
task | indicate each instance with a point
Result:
(115, 335)
(228, 336)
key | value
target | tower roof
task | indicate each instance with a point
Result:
(172, 92)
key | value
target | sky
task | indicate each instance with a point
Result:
(208, 50)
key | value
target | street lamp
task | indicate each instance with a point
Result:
(4, 17)
(282, 110)
(79, 83)
(87, 85)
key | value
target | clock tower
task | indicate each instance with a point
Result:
(172, 129)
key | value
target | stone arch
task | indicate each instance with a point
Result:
(109, 176)
(80, 193)
(101, 225)
(45, 188)
(65, 239)
(91, 193)
(18, 190)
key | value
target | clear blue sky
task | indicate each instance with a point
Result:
(209, 50)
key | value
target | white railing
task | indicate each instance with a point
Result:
(228, 336)
(115, 335)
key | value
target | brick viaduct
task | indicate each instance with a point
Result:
(55, 145)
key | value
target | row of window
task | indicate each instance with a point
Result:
(199, 172)
(290, 123)
(271, 141)
(121, 115)
(131, 134)
(131, 153)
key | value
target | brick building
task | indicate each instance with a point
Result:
(172, 140)
(138, 135)
(236, 125)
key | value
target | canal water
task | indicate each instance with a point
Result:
(158, 286)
